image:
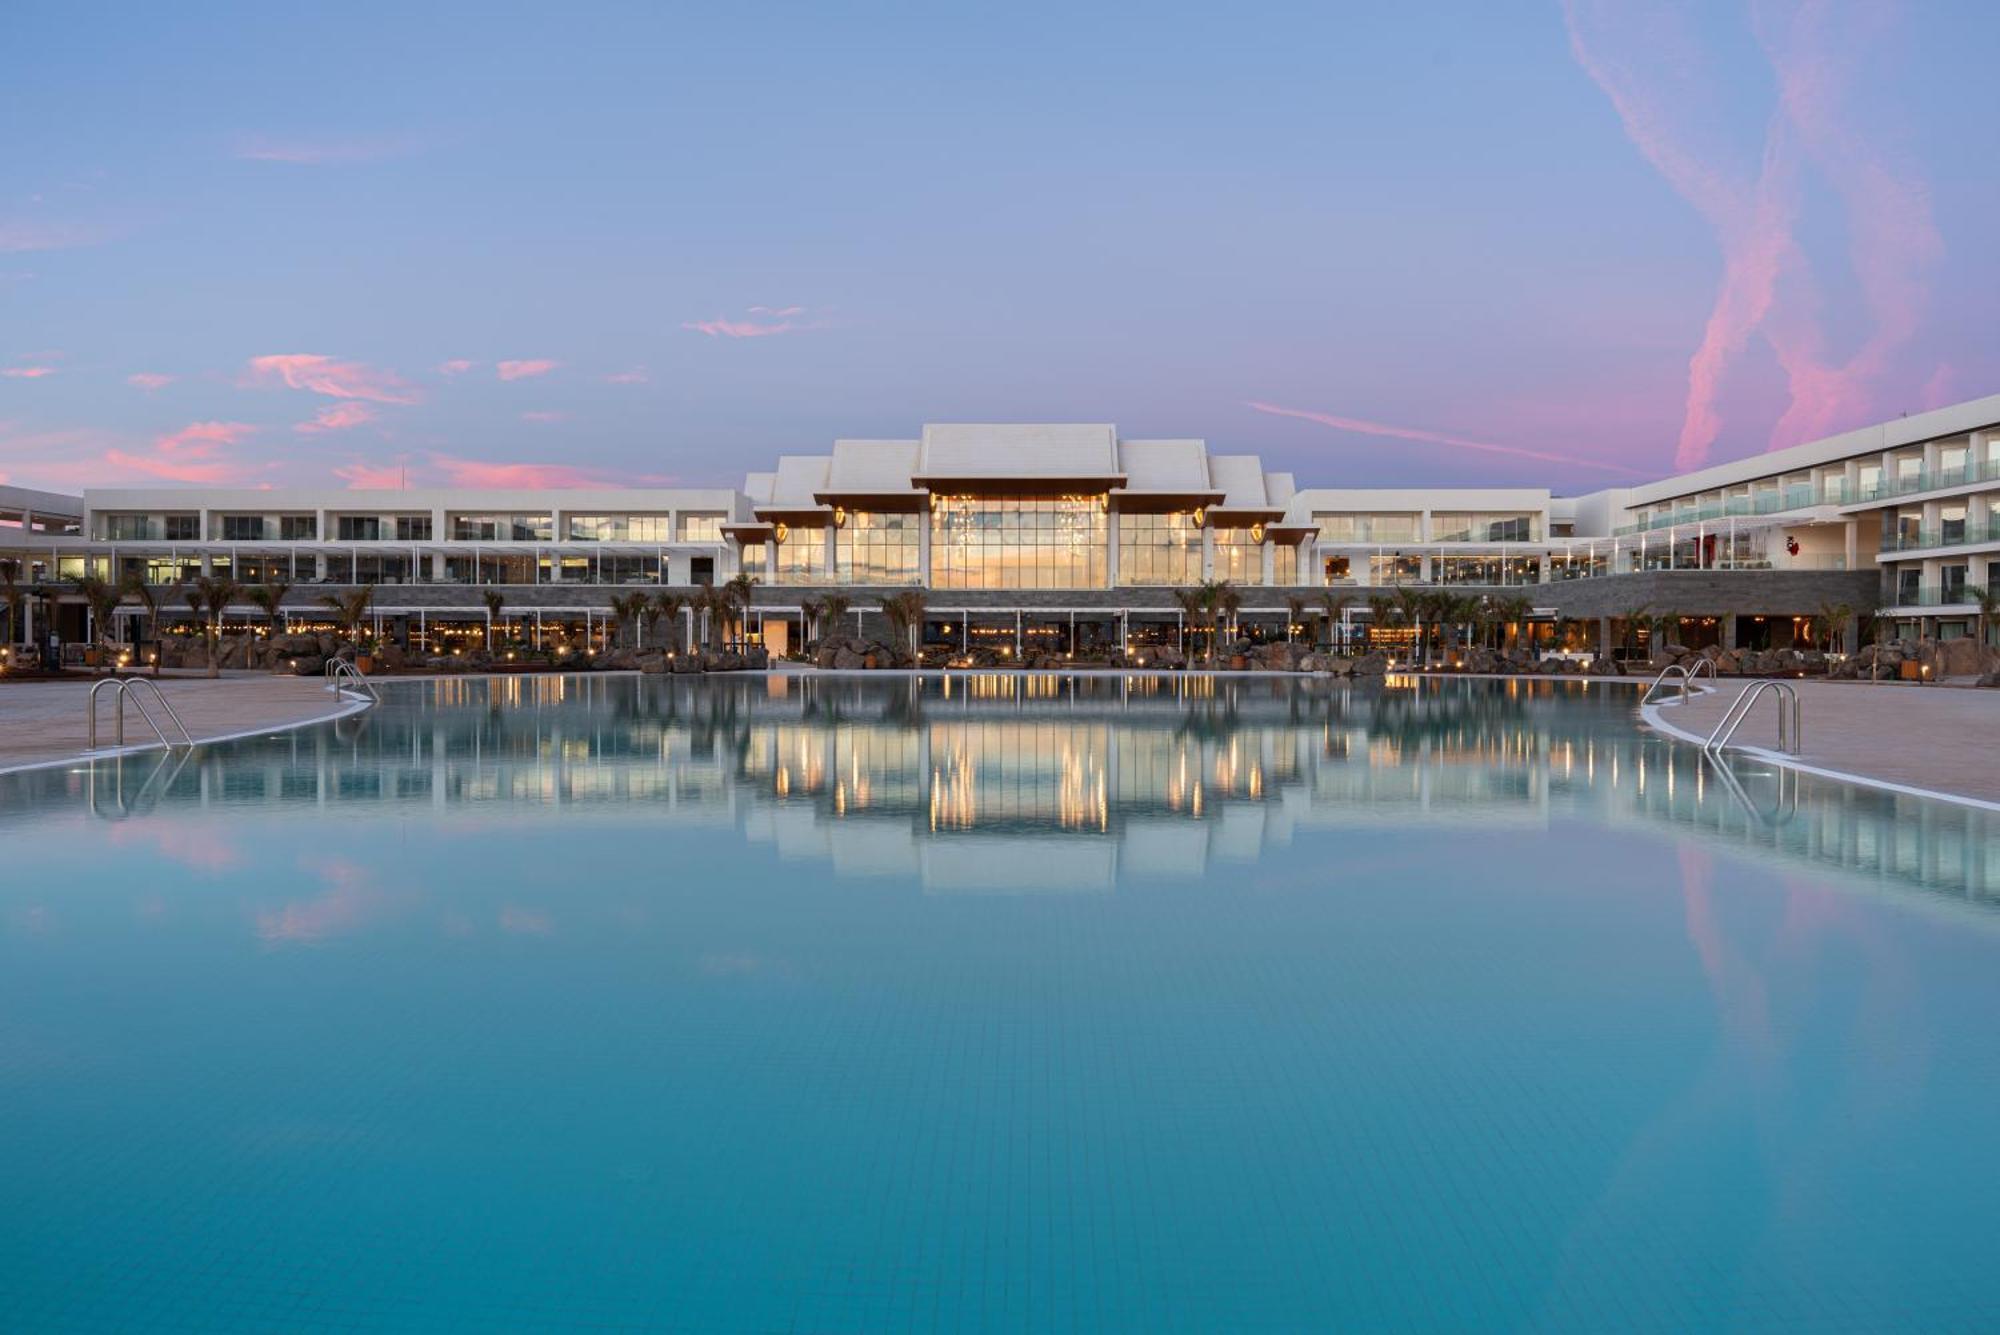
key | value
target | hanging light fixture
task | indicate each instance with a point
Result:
(781, 532)
(840, 516)
(1257, 532)
(1200, 515)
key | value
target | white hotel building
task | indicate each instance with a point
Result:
(1072, 532)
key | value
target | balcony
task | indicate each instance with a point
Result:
(1936, 595)
(1798, 496)
(1954, 535)
(1928, 479)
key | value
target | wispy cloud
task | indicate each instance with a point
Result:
(759, 322)
(1363, 427)
(460, 472)
(27, 372)
(636, 376)
(456, 366)
(324, 152)
(363, 476)
(342, 416)
(1660, 80)
(192, 454)
(149, 380)
(18, 236)
(333, 378)
(526, 369)
(541, 416)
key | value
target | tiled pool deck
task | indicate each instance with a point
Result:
(43, 722)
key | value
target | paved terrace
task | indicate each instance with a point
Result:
(1940, 738)
(43, 721)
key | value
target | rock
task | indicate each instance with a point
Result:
(1371, 664)
(1606, 667)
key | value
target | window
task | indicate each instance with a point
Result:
(500, 528)
(1485, 527)
(127, 528)
(701, 528)
(298, 528)
(1359, 528)
(413, 528)
(878, 547)
(358, 528)
(183, 528)
(1953, 579)
(1018, 542)
(752, 562)
(802, 557)
(620, 528)
(1159, 548)
(1239, 557)
(242, 528)
(1284, 563)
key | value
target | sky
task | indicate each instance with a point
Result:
(1565, 243)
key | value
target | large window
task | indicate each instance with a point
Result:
(1159, 549)
(183, 528)
(242, 528)
(358, 528)
(500, 528)
(1366, 527)
(1520, 527)
(1018, 542)
(298, 528)
(1239, 555)
(701, 528)
(878, 547)
(621, 528)
(1284, 563)
(802, 557)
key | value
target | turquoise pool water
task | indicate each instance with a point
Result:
(1092, 1004)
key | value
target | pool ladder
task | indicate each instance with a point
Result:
(1687, 678)
(1789, 734)
(339, 672)
(128, 688)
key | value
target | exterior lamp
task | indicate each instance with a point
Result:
(1257, 532)
(840, 516)
(781, 532)
(1200, 515)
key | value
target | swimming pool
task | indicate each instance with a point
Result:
(999, 1003)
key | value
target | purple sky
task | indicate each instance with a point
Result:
(1568, 244)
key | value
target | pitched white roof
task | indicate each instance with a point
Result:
(1165, 465)
(1049, 449)
(1240, 477)
(799, 476)
(872, 467)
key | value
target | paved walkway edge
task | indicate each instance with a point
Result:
(1651, 714)
(354, 706)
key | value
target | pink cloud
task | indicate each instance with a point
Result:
(149, 381)
(778, 312)
(191, 454)
(524, 370)
(361, 476)
(1674, 117)
(632, 377)
(342, 416)
(1368, 428)
(543, 417)
(348, 902)
(201, 440)
(456, 366)
(27, 372)
(724, 328)
(484, 473)
(335, 379)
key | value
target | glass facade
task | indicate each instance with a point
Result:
(501, 528)
(1284, 563)
(1366, 527)
(622, 528)
(1520, 527)
(1159, 548)
(802, 558)
(701, 528)
(1018, 542)
(1239, 556)
(878, 547)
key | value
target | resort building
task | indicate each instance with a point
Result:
(1070, 535)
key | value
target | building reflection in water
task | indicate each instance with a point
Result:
(1009, 783)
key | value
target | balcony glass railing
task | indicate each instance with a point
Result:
(1952, 535)
(1935, 595)
(1932, 479)
(1799, 496)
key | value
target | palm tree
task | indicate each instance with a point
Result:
(1382, 609)
(1331, 606)
(103, 597)
(1295, 612)
(810, 611)
(1410, 607)
(670, 606)
(833, 609)
(1834, 619)
(1194, 609)
(1635, 618)
(905, 611)
(629, 610)
(1513, 615)
(495, 600)
(1988, 598)
(15, 597)
(1666, 628)
(270, 599)
(150, 597)
(350, 610)
(1226, 600)
(736, 595)
(715, 604)
(213, 594)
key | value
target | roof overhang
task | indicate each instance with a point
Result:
(1032, 483)
(912, 499)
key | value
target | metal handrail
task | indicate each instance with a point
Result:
(1686, 674)
(1787, 805)
(339, 668)
(1789, 740)
(122, 690)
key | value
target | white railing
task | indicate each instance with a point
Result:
(1687, 677)
(1789, 733)
(339, 671)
